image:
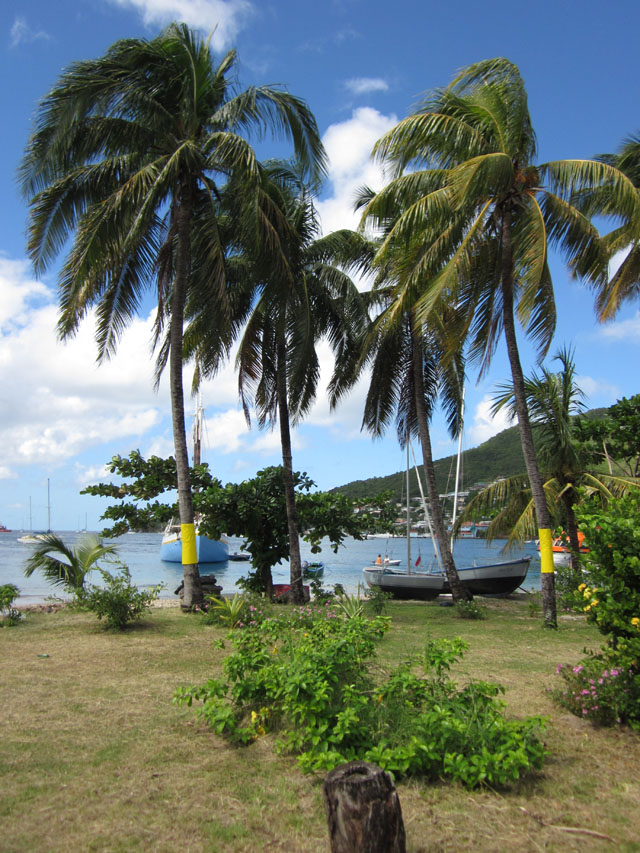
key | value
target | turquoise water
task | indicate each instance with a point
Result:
(141, 552)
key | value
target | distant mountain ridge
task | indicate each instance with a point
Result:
(500, 456)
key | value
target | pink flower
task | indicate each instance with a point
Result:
(579, 668)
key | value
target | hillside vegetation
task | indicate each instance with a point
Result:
(500, 456)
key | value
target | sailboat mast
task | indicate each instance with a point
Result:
(197, 432)
(48, 507)
(458, 464)
(408, 512)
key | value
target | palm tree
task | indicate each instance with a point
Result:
(301, 294)
(478, 216)
(126, 159)
(554, 401)
(624, 284)
(65, 565)
(409, 371)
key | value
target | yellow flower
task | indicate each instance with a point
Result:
(594, 602)
(588, 607)
(587, 592)
(635, 621)
(254, 716)
(582, 586)
(274, 650)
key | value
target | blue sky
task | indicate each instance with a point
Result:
(361, 66)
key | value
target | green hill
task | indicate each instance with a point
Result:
(500, 456)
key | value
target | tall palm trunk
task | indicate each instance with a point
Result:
(192, 590)
(526, 434)
(295, 564)
(457, 590)
(569, 499)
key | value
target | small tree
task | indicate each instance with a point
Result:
(65, 565)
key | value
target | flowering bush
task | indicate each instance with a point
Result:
(609, 596)
(9, 615)
(591, 690)
(306, 675)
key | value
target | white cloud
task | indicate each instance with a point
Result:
(366, 85)
(267, 442)
(225, 433)
(598, 391)
(91, 474)
(625, 330)
(485, 425)
(7, 473)
(226, 16)
(348, 145)
(56, 401)
(21, 33)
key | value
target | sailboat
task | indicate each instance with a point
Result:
(499, 578)
(32, 536)
(208, 550)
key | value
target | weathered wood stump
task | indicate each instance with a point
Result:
(363, 810)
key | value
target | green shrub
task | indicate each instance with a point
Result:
(378, 599)
(119, 602)
(310, 679)
(609, 596)
(593, 691)
(10, 615)
(470, 610)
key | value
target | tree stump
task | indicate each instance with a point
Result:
(363, 810)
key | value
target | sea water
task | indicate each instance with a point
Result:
(141, 553)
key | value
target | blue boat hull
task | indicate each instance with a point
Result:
(208, 550)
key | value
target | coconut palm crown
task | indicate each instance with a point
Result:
(67, 565)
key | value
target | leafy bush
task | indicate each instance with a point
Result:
(609, 596)
(567, 581)
(310, 680)
(228, 611)
(119, 602)
(591, 690)
(8, 594)
(378, 599)
(470, 610)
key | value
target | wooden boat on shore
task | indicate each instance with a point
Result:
(493, 579)
(499, 578)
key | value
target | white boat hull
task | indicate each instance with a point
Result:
(495, 579)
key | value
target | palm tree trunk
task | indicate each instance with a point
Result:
(458, 592)
(295, 564)
(568, 498)
(192, 594)
(526, 434)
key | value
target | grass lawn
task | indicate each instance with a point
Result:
(94, 756)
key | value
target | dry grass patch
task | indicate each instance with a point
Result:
(95, 757)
